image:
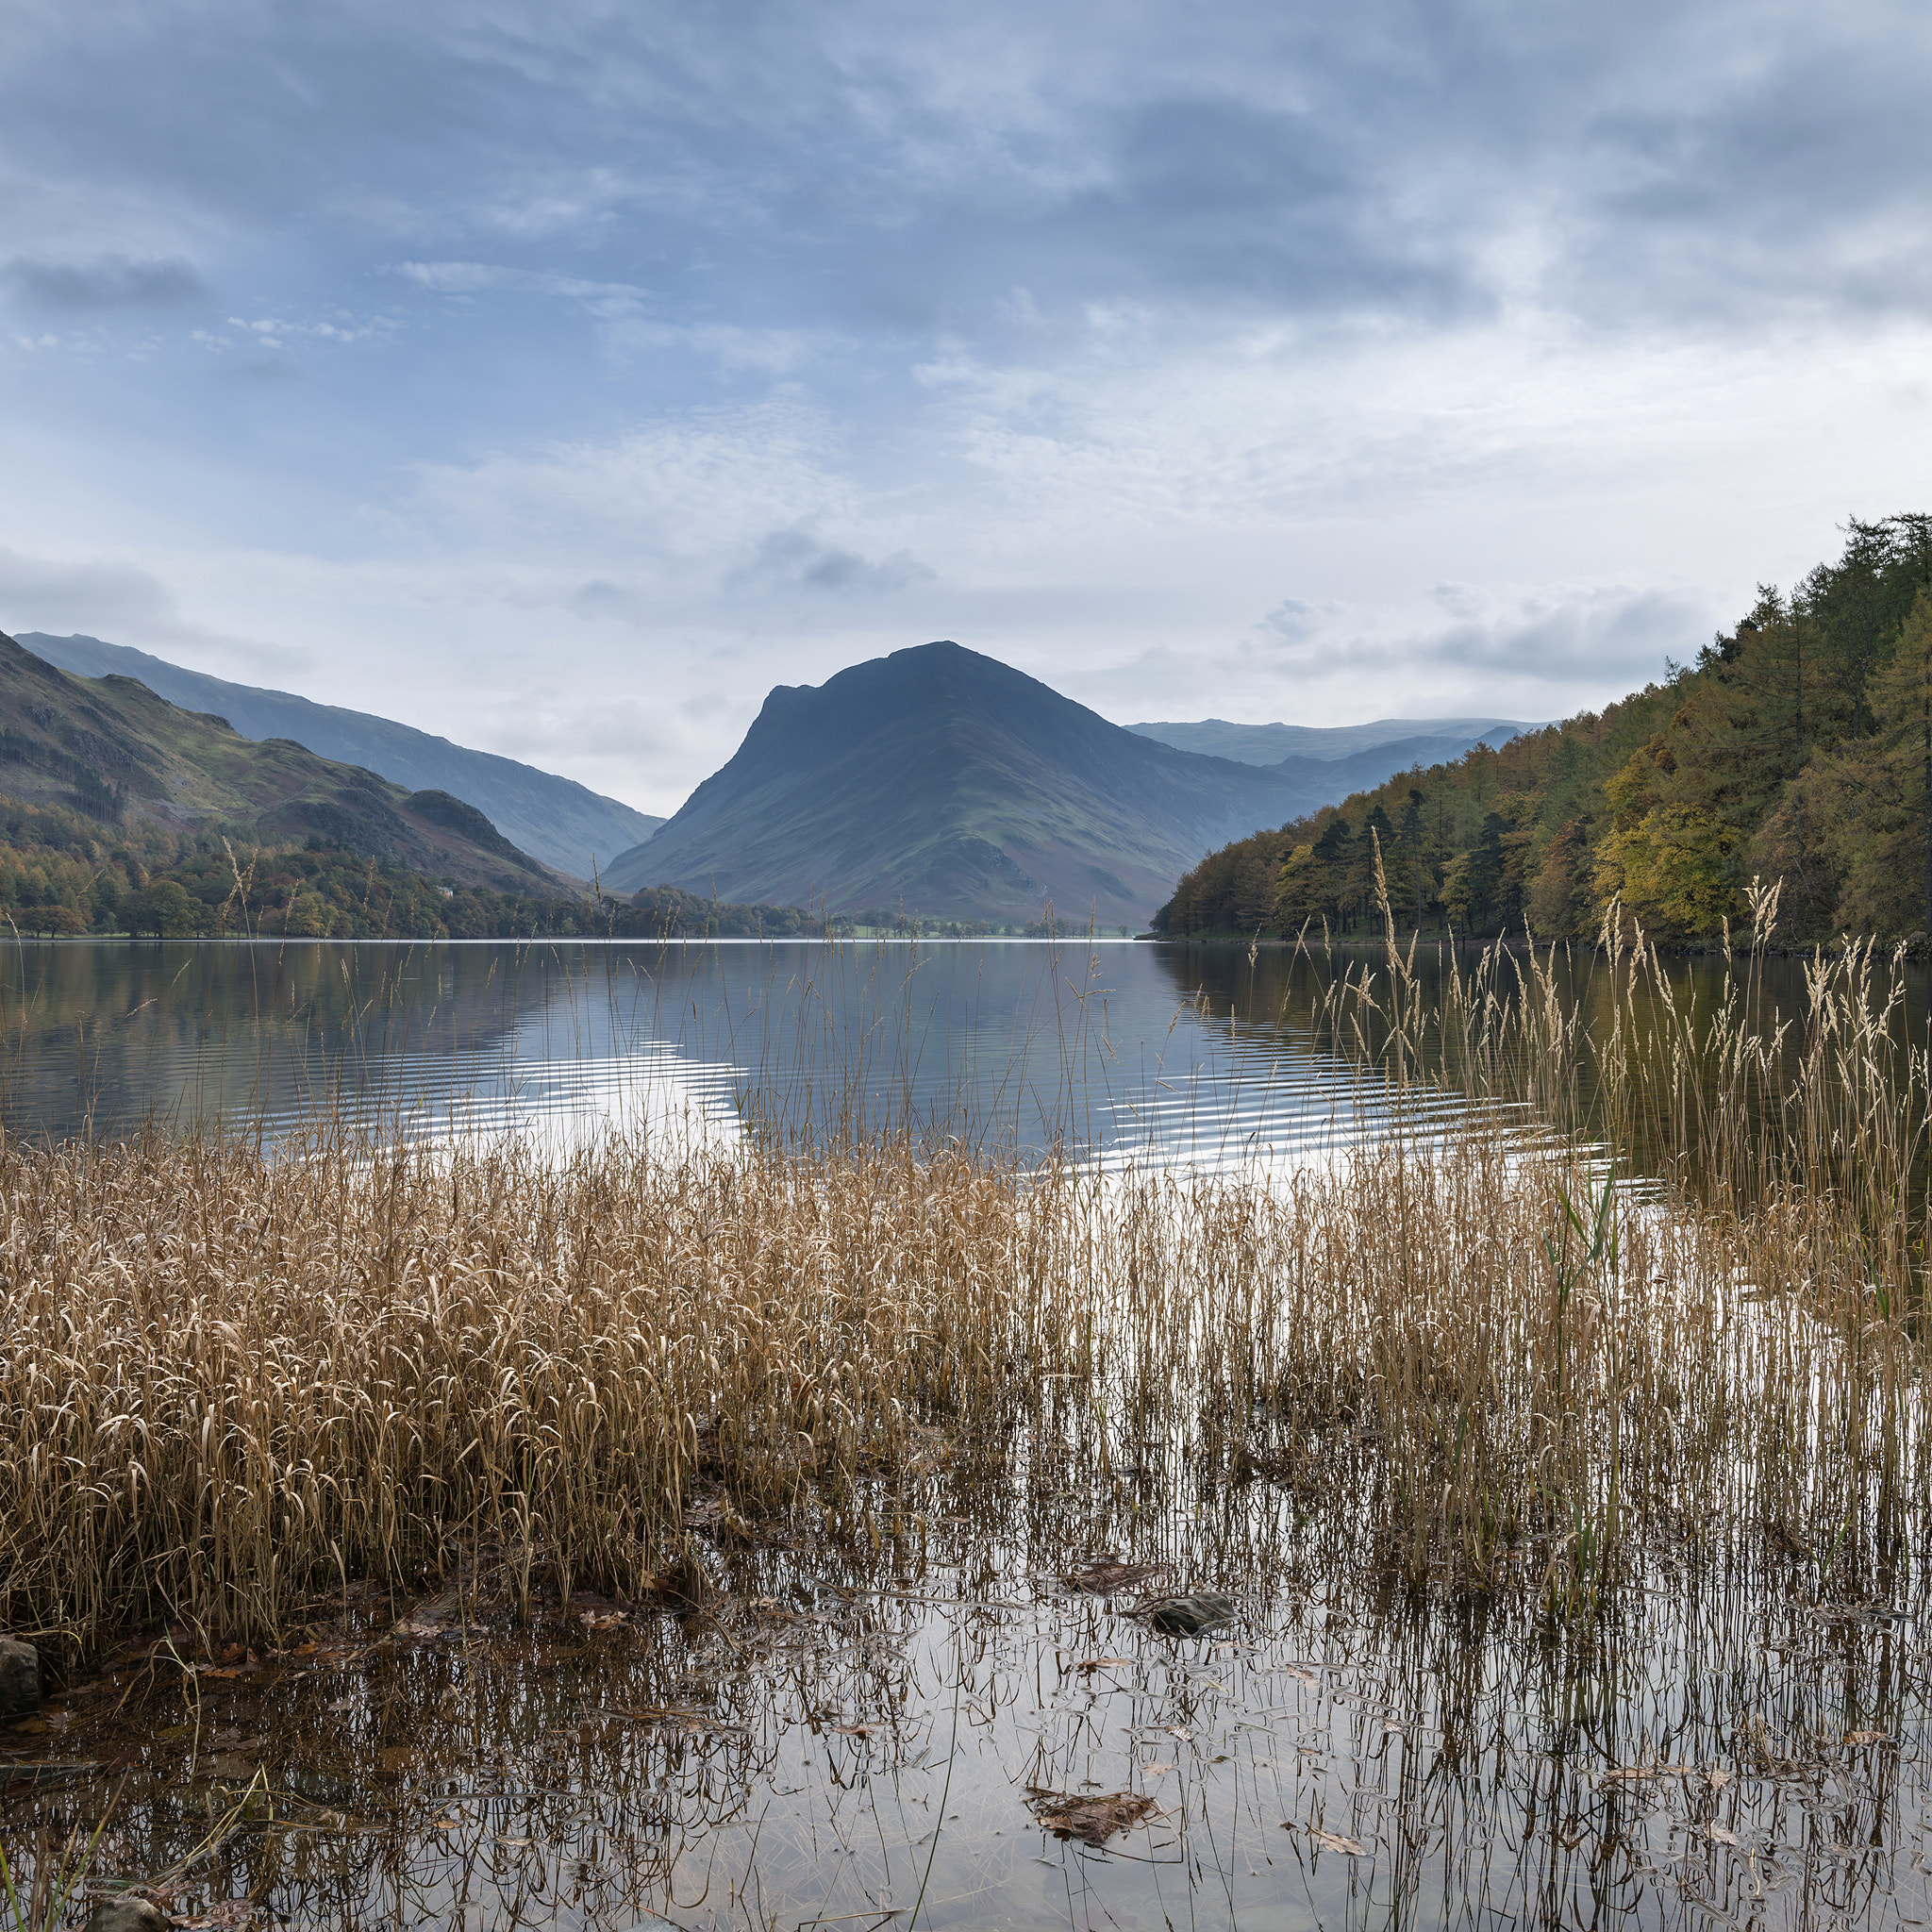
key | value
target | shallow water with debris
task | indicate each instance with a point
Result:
(890, 1737)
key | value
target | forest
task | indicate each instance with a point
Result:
(1796, 750)
(65, 875)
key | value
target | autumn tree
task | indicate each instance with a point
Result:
(1879, 790)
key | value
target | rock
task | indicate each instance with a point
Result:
(127, 1915)
(20, 1678)
(1187, 1616)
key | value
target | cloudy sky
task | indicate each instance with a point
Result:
(560, 376)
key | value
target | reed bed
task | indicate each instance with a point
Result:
(231, 1378)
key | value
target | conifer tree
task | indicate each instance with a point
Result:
(1880, 792)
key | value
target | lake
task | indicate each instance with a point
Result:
(1154, 1054)
(884, 1699)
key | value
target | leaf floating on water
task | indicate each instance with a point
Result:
(1156, 1770)
(855, 1730)
(1180, 1732)
(1719, 1836)
(1866, 1738)
(1103, 1576)
(1094, 1821)
(1106, 1663)
(1334, 1841)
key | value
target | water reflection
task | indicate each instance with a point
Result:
(839, 1737)
(1159, 1055)
(855, 1724)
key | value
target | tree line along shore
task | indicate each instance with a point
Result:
(1796, 749)
(65, 875)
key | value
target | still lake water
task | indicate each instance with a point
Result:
(852, 1738)
(1157, 1054)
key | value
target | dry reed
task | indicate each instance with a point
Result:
(229, 1380)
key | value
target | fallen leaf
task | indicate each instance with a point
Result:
(1180, 1732)
(1105, 1575)
(855, 1730)
(1156, 1770)
(1094, 1821)
(1719, 1836)
(1334, 1841)
(229, 1913)
(1717, 1780)
(1866, 1738)
(1106, 1663)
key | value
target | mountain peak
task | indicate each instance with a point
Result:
(946, 781)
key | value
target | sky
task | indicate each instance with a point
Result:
(559, 376)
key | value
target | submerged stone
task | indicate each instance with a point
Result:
(20, 1678)
(127, 1915)
(1187, 1616)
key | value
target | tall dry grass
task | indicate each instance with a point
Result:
(227, 1380)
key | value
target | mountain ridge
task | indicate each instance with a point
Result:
(115, 749)
(1277, 743)
(564, 825)
(944, 780)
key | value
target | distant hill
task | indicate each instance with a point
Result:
(112, 748)
(556, 820)
(1270, 744)
(950, 784)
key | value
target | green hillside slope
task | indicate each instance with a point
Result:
(564, 824)
(111, 748)
(1796, 750)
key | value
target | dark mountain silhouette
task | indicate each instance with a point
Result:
(556, 820)
(951, 785)
(113, 749)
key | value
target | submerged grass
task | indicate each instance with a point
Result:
(229, 1379)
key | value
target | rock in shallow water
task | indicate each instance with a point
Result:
(1187, 1616)
(127, 1915)
(20, 1678)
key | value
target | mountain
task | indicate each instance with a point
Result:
(114, 749)
(561, 822)
(952, 785)
(1271, 745)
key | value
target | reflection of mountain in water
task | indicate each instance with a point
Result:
(187, 1035)
(1165, 1054)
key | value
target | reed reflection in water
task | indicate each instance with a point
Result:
(1157, 1056)
(1419, 1712)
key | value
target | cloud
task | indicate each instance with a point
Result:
(796, 559)
(1567, 638)
(95, 597)
(104, 282)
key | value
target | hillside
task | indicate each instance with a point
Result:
(66, 873)
(111, 748)
(556, 820)
(1796, 751)
(947, 783)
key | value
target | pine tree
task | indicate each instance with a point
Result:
(1880, 792)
